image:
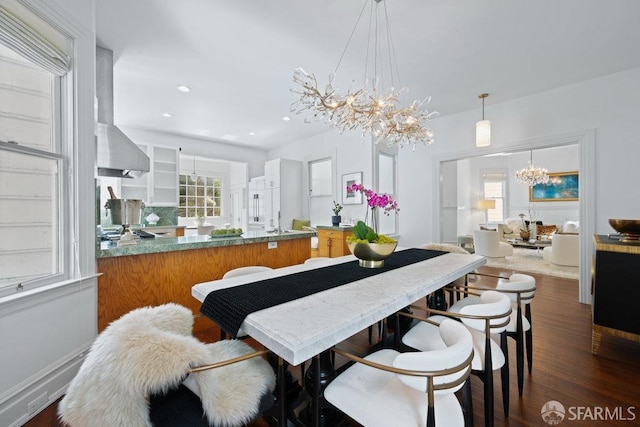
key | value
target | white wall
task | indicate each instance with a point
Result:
(349, 153)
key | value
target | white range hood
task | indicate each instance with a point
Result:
(117, 155)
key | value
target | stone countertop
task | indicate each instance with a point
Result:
(144, 227)
(331, 227)
(171, 244)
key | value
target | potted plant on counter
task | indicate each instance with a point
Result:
(336, 218)
(200, 219)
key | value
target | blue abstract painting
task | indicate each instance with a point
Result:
(562, 187)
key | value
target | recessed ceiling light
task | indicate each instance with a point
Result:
(252, 133)
(184, 88)
(166, 114)
(286, 118)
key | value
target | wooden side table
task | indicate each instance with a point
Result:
(332, 241)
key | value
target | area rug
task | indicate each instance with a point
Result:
(530, 260)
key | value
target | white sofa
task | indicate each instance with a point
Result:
(510, 229)
(487, 243)
(564, 250)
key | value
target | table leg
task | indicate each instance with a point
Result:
(318, 376)
(287, 394)
(283, 393)
(437, 301)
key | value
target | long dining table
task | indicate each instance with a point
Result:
(305, 327)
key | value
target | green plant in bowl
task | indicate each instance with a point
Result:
(226, 232)
(363, 233)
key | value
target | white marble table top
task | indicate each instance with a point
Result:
(300, 329)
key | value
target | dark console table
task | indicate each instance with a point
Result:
(616, 290)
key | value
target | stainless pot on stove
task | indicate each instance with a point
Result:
(125, 211)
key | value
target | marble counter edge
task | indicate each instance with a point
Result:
(172, 244)
(334, 228)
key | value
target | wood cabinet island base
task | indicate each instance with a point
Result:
(129, 282)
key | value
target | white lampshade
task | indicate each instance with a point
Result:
(486, 204)
(483, 133)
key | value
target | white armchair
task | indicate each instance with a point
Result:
(563, 250)
(488, 244)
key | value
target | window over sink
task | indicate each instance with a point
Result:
(201, 197)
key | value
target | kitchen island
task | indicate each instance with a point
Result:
(161, 270)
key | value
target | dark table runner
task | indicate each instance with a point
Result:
(229, 307)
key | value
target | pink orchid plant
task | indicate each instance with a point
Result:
(374, 200)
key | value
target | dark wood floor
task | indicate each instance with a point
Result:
(564, 369)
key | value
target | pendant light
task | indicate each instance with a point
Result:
(483, 127)
(194, 175)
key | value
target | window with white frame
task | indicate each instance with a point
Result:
(320, 178)
(34, 155)
(494, 186)
(201, 197)
(387, 184)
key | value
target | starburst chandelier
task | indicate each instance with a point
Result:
(373, 111)
(532, 175)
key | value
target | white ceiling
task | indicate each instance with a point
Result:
(238, 56)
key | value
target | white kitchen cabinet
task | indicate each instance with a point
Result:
(159, 187)
(283, 193)
(164, 177)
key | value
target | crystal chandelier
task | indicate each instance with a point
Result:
(374, 112)
(532, 175)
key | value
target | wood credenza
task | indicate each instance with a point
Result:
(332, 241)
(616, 290)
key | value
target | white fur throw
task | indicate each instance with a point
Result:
(150, 350)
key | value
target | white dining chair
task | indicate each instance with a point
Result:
(147, 368)
(520, 288)
(241, 271)
(389, 388)
(490, 316)
(317, 260)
